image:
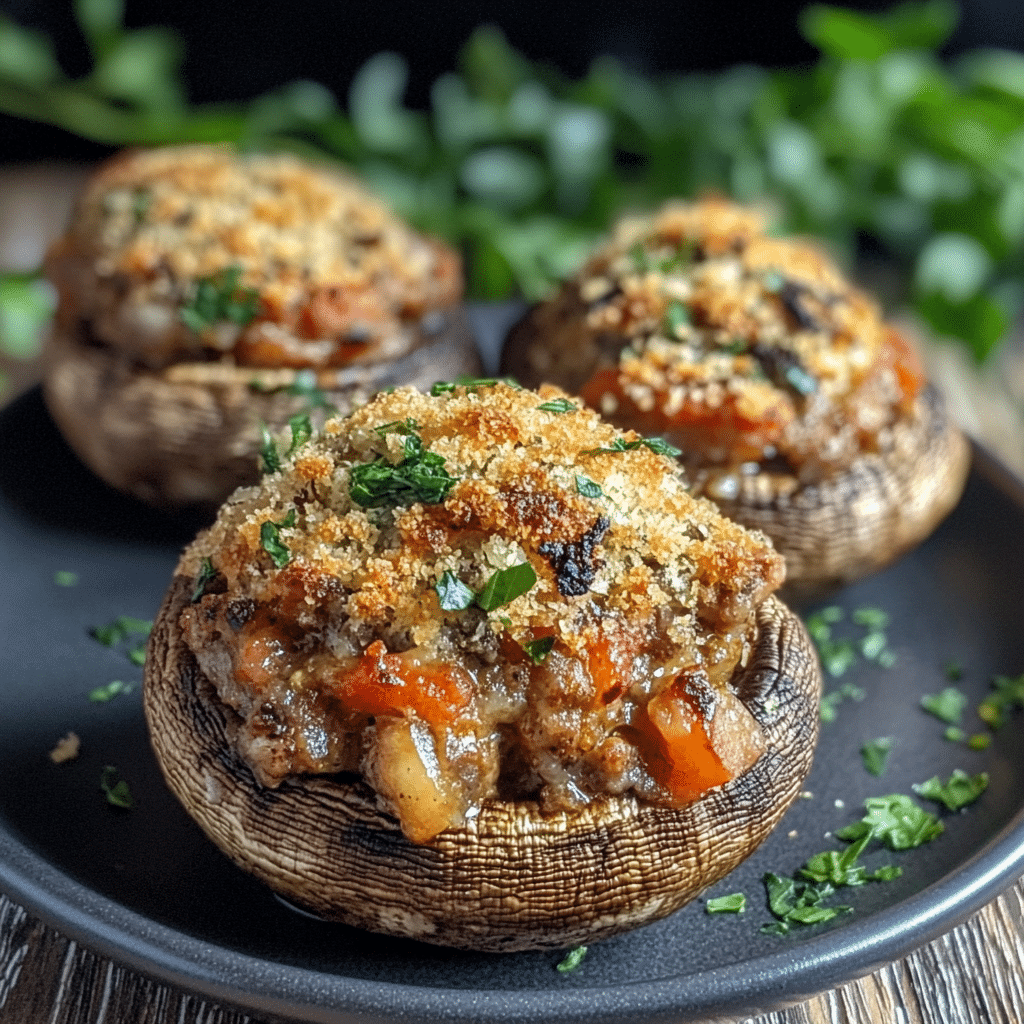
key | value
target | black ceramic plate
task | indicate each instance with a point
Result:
(145, 888)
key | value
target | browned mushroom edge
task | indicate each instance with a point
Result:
(189, 434)
(511, 878)
(848, 526)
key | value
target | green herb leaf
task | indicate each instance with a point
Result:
(302, 431)
(896, 821)
(452, 594)
(572, 959)
(116, 790)
(270, 457)
(875, 754)
(206, 573)
(559, 405)
(506, 585)
(958, 791)
(121, 629)
(419, 477)
(829, 707)
(656, 444)
(103, 694)
(63, 578)
(537, 650)
(270, 539)
(677, 316)
(734, 903)
(1008, 695)
(219, 299)
(444, 387)
(406, 426)
(948, 706)
(954, 671)
(980, 741)
(587, 487)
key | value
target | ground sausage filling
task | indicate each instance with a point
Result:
(746, 351)
(483, 593)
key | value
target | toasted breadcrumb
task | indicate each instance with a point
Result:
(745, 350)
(333, 275)
(633, 585)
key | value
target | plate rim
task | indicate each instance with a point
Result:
(787, 974)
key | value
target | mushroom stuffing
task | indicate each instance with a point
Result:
(498, 634)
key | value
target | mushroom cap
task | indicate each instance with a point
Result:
(858, 521)
(189, 433)
(511, 878)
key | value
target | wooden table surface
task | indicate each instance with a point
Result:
(972, 975)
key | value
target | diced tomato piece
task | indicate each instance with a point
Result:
(676, 746)
(610, 658)
(381, 683)
(903, 357)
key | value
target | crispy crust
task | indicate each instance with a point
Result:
(779, 380)
(511, 878)
(335, 277)
(190, 276)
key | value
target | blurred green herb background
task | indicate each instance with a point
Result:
(881, 147)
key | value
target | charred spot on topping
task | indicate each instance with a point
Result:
(698, 688)
(574, 563)
(784, 369)
(791, 295)
(239, 612)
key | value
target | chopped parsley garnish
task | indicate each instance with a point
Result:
(420, 476)
(896, 821)
(980, 741)
(656, 444)
(116, 790)
(947, 706)
(537, 650)
(206, 573)
(270, 457)
(1009, 694)
(954, 671)
(302, 431)
(572, 959)
(677, 316)
(506, 585)
(559, 405)
(839, 654)
(444, 387)
(587, 487)
(795, 902)
(734, 903)
(406, 426)
(959, 790)
(221, 298)
(875, 754)
(107, 692)
(63, 578)
(955, 734)
(270, 538)
(452, 594)
(830, 702)
(125, 631)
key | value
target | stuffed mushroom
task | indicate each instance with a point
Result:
(797, 408)
(204, 292)
(473, 667)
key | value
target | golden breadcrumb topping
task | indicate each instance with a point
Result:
(743, 349)
(491, 574)
(197, 251)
